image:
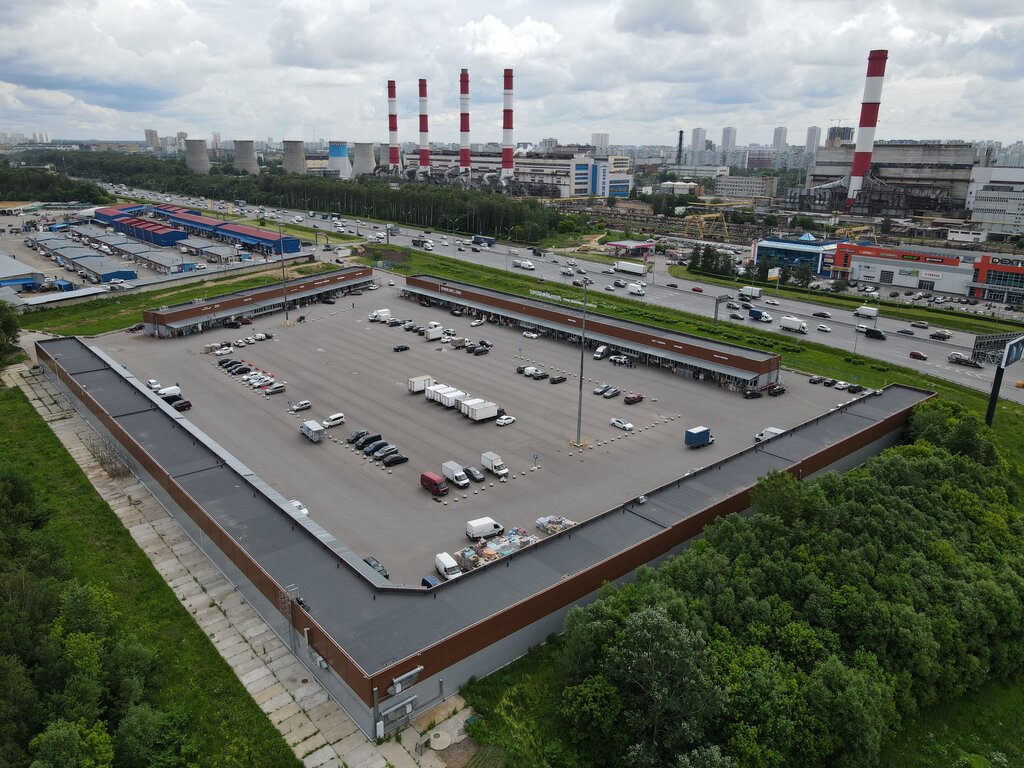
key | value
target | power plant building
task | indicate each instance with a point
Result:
(363, 161)
(338, 164)
(245, 157)
(294, 160)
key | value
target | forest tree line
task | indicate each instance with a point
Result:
(31, 184)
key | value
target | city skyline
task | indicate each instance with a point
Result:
(292, 71)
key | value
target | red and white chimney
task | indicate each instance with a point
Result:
(424, 141)
(507, 147)
(868, 122)
(394, 157)
(464, 161)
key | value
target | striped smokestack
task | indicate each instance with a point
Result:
(424, 141)
(394, 157)
(464, 162)
(868, 121)
(507, 162)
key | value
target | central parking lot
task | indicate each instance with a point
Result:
(342, 362)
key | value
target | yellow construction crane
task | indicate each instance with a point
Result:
(695, 225)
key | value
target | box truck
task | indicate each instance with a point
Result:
(436, 394)
(790, 323)
(313, 430)
(465, 405)
(760, 315)
(379, 316)
(482, 411)
(447, 399)
(766, 433)
(750, 292)
(483, 240)
(493, 462)
(453, 471)
(866, 311)
(420, 383)
(630, 267)
(432, 334)
(698, 437)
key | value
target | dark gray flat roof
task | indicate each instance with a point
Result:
(377, 627)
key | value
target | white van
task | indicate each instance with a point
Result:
(334, 420)
(169, 392)
(636, 289)
(483, 528)
(602, 352)
(446, 566)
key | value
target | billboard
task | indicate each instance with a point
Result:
(1013, 352)
(1001, 349)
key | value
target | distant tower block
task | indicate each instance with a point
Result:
(245, 157)
(337, 159)
(197, 159)
(362, 159)
(294, 157)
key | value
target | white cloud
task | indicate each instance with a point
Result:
(637, 69)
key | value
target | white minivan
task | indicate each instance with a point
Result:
(334, 420)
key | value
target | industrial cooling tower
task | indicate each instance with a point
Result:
(294, 157)
(362, 159)
(337, 159)
(197, 159)
(245, 157)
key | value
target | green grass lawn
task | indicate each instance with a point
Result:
(191, 674)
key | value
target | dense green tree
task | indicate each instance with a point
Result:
(8, 329)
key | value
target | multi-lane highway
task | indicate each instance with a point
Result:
(895, 349)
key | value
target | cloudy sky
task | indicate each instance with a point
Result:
(638, 70)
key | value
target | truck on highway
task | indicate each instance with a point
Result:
(750, 292)
(492, 461)
(523, 264)
(483, 240)
(794, 324)
(961, 359)
(630, 267)
(866, 311)
(698, 437)
(424, 243)
(313, 430)
(636, 289)
(760, 315)
(454, 472)
(484, 411)
(420, 383)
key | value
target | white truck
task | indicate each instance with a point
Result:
(493, 462)
(420, 383)
(379, 316)
(313, 430)
(750, 292)
(431, 390)
(523, 264)
(630, 267)
(432, 334)
(483, 528)
(465, 405)
(767, 433)
(447, 399)
(453, 471)
(482, 411)
(794, 324)
(866, 311)
(436, 393)
(636, 289)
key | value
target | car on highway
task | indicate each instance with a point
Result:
(824, 314)
(825, 328)
(671, 285)
(633, 397)
(916, 355)
(751, 394)
(504, 421)
(609, 287)
(607, 271)
(941, 335)
(773, 302)
(619, 283)
(531, 335)
(622, 424)
(732, 305)
(905, 331)
(697, 289)
(919, 324)
(735, 316)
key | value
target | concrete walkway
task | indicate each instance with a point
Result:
(314, 726)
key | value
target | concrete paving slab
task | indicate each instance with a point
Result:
(365, 756)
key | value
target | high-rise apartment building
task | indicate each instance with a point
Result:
(813, 139)
(728, 139)
(697, 138)
(215, 144)
(779, 139)
(599, 141)
(152, 139)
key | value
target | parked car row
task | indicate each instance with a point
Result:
(253, 378)
(374, 446)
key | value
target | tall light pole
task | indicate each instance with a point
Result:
(284, 282)
(583, 349)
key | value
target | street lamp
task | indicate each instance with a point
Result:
(583, 347)
(284, 282)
